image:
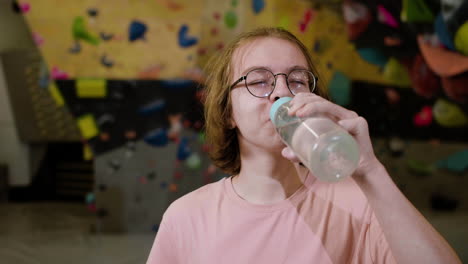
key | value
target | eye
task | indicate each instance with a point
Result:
(298, 84)
(259, 83)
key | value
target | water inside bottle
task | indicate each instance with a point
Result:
(327, 150)
(335, 157)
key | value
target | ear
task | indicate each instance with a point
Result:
(232, 123)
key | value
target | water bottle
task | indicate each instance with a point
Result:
(325, 148)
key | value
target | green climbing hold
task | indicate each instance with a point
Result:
(230, 19)
(461, 39)
(80, 32)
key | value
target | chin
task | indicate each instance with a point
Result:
(277, 143)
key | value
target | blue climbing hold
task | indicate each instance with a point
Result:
(152, 107)
(90, 198)
(457, 162)
(340, 89)
(136, 31)
(258, 6)
(373, 56)
(183, 151)
(157, 138)
(442, 32)
(185, 40)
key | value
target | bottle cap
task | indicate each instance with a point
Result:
(276, 106)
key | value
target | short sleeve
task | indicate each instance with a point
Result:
(163, 250)
(377, 244)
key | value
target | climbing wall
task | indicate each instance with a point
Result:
(148, 146)
(116, 39)
(138, 181)
(129, 72)
(38, 117)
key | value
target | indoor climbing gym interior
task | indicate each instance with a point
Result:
(102, 118)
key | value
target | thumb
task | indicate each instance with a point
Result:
(289, 154)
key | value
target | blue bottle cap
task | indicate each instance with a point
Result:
(276, 106)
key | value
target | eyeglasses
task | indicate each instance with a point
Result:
(262, 82)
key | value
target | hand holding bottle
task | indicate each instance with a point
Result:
(309, 104)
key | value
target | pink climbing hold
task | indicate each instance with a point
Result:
(58, 74)
(385, 17)
(25, 7)
(424, 117)
(307, 19)
(38, 39)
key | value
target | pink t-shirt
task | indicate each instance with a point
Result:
(319, 223)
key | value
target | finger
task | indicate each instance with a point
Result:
(356, 126)
(289, 154)
(300, 168)
(302, 99)
(327, 108)
(294, 106)
(303, 103)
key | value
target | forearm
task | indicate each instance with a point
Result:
(411, 238)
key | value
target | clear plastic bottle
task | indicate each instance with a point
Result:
(329, 151)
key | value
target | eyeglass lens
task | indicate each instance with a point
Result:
(262, 82)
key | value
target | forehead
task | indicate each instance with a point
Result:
(269, 52)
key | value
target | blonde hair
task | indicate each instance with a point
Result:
(224, 151)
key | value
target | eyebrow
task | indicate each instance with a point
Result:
(288, 70)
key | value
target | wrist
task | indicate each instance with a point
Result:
(369, 170)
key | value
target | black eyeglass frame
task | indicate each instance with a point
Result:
(244, 78)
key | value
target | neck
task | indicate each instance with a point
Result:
(266, 178)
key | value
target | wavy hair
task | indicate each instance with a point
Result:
(222, 138)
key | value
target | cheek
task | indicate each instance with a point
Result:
(240, 105)
(250, 119)
(249, 112)
(241, 116)
(235, 110)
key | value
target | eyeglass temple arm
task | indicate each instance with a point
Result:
(238, 81)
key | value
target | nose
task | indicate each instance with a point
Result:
(281, 88)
